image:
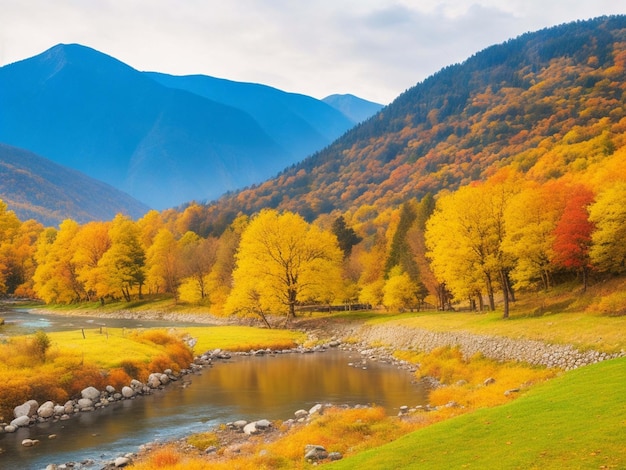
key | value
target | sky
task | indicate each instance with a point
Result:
(374, 49)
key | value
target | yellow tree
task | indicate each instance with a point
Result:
(163, 263)
(22, 260)
(197, 257)
(608, 214)
(531, 218)
(220, 279)
(56, 277)
(465, 236)
(123, 265)
(282, 261)
(92, 242)
(399, 290)
(371, 257)
(9, 227)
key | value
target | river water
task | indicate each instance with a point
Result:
(251, 388)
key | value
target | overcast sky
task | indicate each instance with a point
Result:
(374, 49)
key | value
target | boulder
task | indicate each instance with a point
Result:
(240, 424)
(315, 452)
(154, 381)
(128, 392)
(136, 384)
(301, 414)
(110, 389)
(46, 410)
(27, 409)
(10, 428)
(263, 424)
(315, 409)
(489, 381)
(20, 422)
(85, 403)
(251, 429)
(121, 462)
(164, 379)
(91, 393)
(21, 410)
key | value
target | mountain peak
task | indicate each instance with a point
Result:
(352, 106)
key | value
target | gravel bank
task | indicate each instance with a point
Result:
(500, 348)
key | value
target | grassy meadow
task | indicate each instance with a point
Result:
(58, 365)
(575, 421)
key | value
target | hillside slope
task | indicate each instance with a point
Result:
(36, 188)
(546, 103)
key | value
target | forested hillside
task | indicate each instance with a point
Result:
(545, 103)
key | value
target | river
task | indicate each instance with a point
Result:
(250, 388)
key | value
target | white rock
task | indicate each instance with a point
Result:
(46, 410)
(154, 381)
(250, 429)
(301, 414)
(21, 410)
(316, 409)
(121, 462)
(240, 424)
(263, 424)
(85, 403)
(164, 379)
(128, 392)
(20, 422)
(91, 393)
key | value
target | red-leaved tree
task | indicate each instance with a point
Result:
(572, 234)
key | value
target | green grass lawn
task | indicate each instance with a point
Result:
(576, 421)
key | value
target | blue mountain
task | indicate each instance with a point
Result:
(164, 140)
(37, 188)
(300, 123)
(355, 108)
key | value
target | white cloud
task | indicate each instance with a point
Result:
(372, 48)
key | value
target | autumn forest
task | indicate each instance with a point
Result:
(495, 177)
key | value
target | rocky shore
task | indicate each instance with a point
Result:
(499, 348)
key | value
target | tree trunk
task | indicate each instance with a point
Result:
(505, 292)
(292, 303)
(488, 282)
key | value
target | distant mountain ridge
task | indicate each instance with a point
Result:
(300, 123)
(354, 107)
(162, 144)
(37, 188)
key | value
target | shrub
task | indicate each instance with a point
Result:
(118, 378)
(204, 440)
(160, 337)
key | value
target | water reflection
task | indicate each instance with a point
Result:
(271, 387)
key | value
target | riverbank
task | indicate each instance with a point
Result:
(379, 337)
